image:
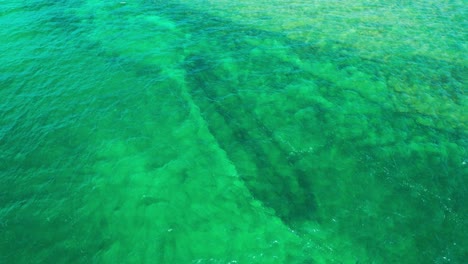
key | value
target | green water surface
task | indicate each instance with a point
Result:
(215, 131)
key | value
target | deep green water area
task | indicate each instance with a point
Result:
(215, 131)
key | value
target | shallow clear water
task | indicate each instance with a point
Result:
(233, 131)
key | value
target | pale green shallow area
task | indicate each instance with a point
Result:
(233, 132)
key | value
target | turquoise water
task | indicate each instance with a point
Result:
(233, 131)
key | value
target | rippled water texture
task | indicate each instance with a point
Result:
(215, 131)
